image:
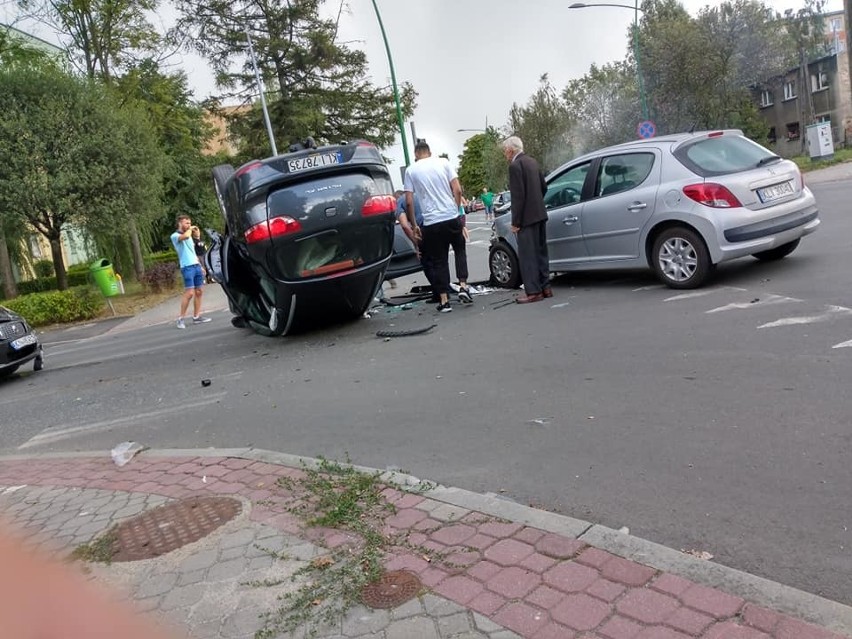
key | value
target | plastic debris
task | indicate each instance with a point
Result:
(125, 451)
(698, 554)
(205, 383)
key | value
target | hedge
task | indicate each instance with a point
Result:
(160, 258)
(76, 278)
(79, 303)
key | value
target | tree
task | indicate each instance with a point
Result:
(101, 36)
(316, 85)
(70, 155)
(604, 105)
(544, 126)
(481, 164)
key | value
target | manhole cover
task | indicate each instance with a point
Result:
(171, 526)
(392, 589)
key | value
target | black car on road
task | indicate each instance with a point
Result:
(308, 234)
(18, 344)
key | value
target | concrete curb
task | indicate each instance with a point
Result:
(803, 605)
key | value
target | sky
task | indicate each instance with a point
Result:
(470, 60)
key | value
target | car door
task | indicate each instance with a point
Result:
(621, 203)
(564, 203)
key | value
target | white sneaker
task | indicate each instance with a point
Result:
(180, 323)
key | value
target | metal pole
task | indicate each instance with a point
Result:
(636, 55)
(262, 97)
(393, 83)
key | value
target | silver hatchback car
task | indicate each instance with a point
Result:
(680, 204)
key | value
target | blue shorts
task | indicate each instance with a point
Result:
(192, 276)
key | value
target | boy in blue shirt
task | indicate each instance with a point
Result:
(190, 269)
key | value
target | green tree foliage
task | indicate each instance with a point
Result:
(544, 126)
(603, 105)
(317, 85)
(482, 165)
(101, 36)
(70, 154)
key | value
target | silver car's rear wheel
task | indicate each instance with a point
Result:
(681, 259)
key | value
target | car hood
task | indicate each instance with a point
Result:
(7, 316)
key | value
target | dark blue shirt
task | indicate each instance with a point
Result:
(418, 213)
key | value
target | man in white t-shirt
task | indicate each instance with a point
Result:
(437, 187)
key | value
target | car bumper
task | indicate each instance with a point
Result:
(763, 236)
(12, 358)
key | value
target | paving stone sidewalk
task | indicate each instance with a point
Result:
(483, 576)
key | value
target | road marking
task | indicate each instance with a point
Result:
(694, 294)
(478, 242)
(769, 300)
(56, 433)
(653, 287)
(561, 305)
(843, 344)
(832, 311)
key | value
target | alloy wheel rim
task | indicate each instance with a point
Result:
(501, 267)
(678, 259)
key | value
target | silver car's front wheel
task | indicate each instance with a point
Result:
(504, 267)
(681, 259)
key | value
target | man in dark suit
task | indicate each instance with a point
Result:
(529, 220)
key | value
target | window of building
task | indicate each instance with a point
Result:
(819, 81)
(765, 98)
(836, 25)
(789, 90)
(793, 131)
(822, 118)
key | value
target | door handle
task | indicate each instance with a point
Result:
(570, 220)
(637, 206)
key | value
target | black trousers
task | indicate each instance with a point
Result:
(532, 256)
(437, 240)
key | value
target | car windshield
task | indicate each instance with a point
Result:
(723, 155)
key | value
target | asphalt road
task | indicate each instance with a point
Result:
(714, 420)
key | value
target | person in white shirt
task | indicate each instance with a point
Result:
(437, 187)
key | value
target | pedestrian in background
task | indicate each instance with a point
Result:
(436, 184)
(487, 198)
(529, 220)
(200, 250)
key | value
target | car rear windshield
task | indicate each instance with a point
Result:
(722, 155)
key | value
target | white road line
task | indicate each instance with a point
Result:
(649, 288)
(843, 344)
(56, 433)
(833, 311)
(769, 300)
(563, 305)
(709, 291)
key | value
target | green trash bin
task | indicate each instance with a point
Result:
(105, 277)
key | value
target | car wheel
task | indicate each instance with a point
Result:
(778, 253)
(221, 175)
(38, 363)
(680, 258)
(503, 264)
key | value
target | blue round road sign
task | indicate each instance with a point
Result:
(646, 129)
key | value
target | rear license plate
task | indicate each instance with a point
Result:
(313, 162)
(26, 340)
(775, 192)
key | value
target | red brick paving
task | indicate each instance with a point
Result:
(538, 584)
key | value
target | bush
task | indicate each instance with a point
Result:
(160, 258)
(43, 268)
(160, 276)
(80, 303)
(77, 278)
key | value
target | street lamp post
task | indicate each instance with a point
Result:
(393, 83)
(636, 10)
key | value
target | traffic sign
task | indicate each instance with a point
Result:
(646, 129)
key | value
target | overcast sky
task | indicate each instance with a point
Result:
(470, 60)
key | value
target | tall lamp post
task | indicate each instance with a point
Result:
(393, 83)
(635, 8)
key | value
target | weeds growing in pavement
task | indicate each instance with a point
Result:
(334, 495)
(100, 550)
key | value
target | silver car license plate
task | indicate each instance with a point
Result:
(313, 162)
(775, 192)
(26, 340)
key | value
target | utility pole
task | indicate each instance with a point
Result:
(262, 96)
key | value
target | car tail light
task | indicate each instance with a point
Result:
(379, 205)
(274, 227)
(716, 134)
(248, 167)
(712, 195)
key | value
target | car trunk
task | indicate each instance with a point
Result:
(333, 234)
(766, 186)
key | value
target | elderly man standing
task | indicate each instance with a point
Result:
(529, 220)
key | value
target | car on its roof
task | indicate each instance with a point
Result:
(678, 204)
(18, 344)
(308, 234)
